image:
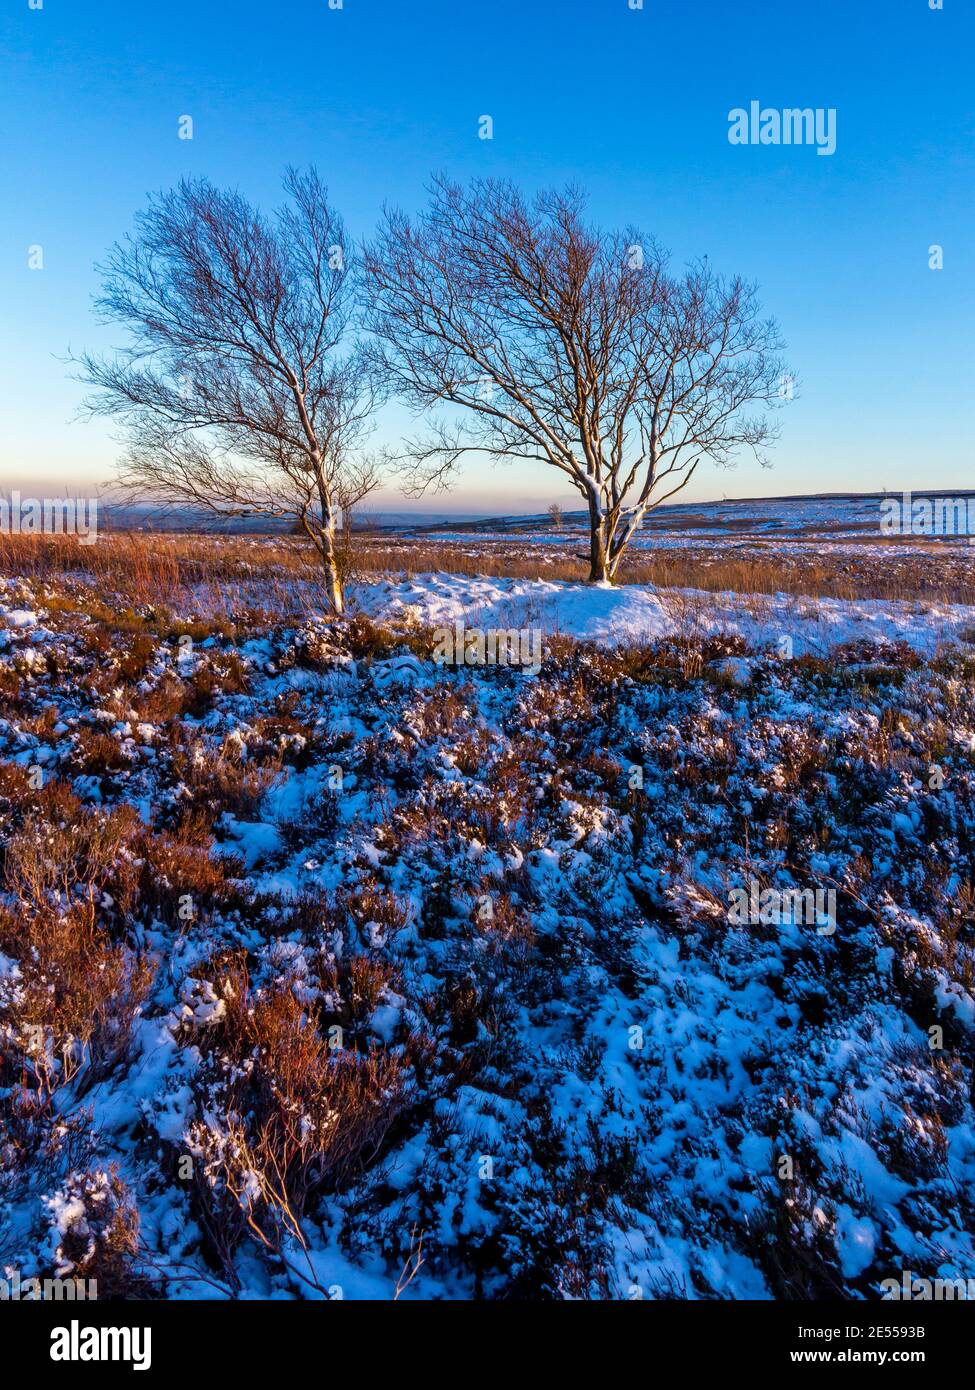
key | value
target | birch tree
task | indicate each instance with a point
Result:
(242, 387)
(536, 336)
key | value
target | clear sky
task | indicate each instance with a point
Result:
(632, 103)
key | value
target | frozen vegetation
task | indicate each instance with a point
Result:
(328, 970)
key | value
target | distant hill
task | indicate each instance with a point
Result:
(821, 513)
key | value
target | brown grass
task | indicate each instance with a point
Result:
(160, 568)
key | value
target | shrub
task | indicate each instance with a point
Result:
(94, 1226)
(286, 1114)
(71, 1004)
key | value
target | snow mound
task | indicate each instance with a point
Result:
(639, 613)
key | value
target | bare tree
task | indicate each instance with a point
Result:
(242, 388)
(361, 477)
(560, 343)
(555, 512)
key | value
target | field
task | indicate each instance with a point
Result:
(645, 969)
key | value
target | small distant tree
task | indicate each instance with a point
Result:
(555, 512)
(357, 481)
(551, 340)
(242, 388)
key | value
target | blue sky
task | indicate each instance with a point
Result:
(632, 103)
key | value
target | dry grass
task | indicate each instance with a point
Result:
(157, 569)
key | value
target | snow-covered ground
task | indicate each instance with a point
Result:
(318, 957)
(638, 613)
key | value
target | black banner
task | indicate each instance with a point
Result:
(147, 1338)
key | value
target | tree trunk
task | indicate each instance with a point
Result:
(336, 597)
(333, 581)
(322, 535)
(598, 550)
